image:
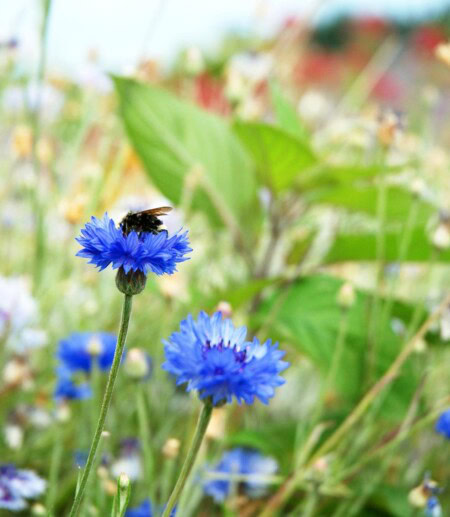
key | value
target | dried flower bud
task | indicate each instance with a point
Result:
(109, 486)
(16, 372)
(38, 509)
(102, 472)
(137, 364)
(216, 426)
(44, 151)
(94, 347)
(441, 237)
(22, 141)
(418, 187)
(442, 52)
(420, 346)
(225, 308)
(171, 448)
(63, 412)
(346, 296)
(417, 497)
(388, 128)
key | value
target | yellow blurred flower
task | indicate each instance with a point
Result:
(22, 141)
(44, 150)
(442, 53)
(73, 208)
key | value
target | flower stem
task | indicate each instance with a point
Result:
(202, 424)
(126, 313)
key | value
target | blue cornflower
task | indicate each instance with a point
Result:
(433, 507)
(144, 510)
(16, 485)
(67, 389)
(80, 350)
(212, 357)
(103, 243)
(443, 424)
(240, 462)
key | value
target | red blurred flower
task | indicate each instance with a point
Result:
(371, 25)
(209, 94)
(318, 67)
(425, 39)
(387, 88)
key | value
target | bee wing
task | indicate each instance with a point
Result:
(161, 210)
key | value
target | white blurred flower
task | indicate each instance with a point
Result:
(193, 61)
(441, 237)
(313, 106)
(129, 465)
(445, 325)
(13, 436)
(19, 316)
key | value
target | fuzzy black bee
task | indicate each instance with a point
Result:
(144, 222)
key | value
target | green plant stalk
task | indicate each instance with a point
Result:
(202, 424)
(380, 255)
(291, 483)
(36, 126)
(335, 362)
(144, 432)
(55, 464)
(125, 319)
(403, 250)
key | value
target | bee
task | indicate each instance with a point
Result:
(144, 222)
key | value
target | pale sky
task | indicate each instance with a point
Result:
(122, 31)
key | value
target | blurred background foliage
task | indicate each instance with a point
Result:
(299, 164)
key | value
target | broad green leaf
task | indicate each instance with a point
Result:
(362, 247)
(326, 175)
(364, 199)
(183, 147)
(285, 113)
(279, 157)
(307, 316)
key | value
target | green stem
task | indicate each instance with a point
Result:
(55, 464)
(145, 439)
(36, 125)
(202, 424)
(126, 313)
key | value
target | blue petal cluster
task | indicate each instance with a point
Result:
(443, 424)
(433, 507)
(212, 357)
(17, 485)
(80, 352)
(145, 510)
(67, 389)
(244, 462)
(103, 243)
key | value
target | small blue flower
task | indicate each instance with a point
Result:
(80, 350)
(16, 485)
(433, 507)
(212, 357)
(145, 510)
(66, 389)
(443, 424)
(104, 244)
(243, 462)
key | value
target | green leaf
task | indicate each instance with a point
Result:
(176, 141)
(364, 199)
(362, 247)
(307, 315)
(285, 113)
(279, 157)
